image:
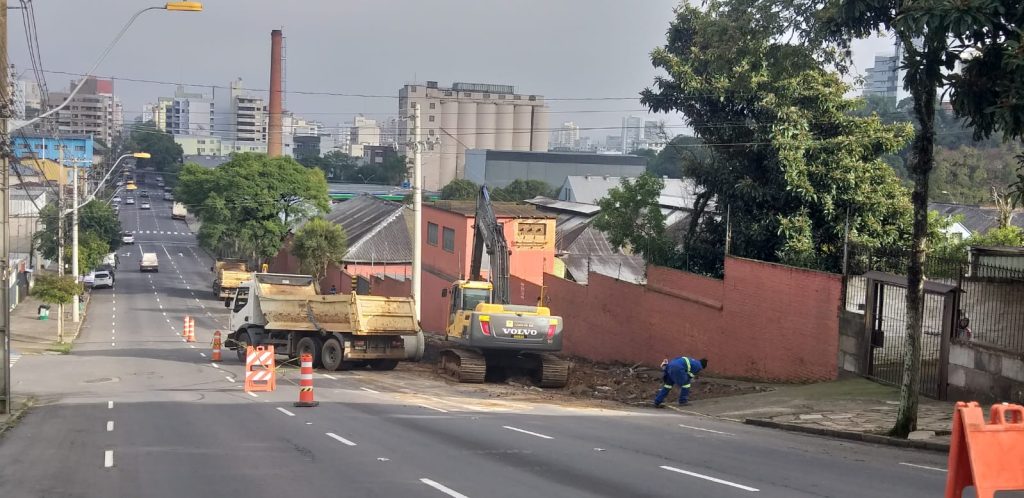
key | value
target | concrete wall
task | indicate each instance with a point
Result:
(763, 321)
(498, 169)
(384, 285)
(851, 342)
(977, 373)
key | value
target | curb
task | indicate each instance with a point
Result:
(850, 435)
(15, 416)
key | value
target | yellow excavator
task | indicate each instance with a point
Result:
(486, 333)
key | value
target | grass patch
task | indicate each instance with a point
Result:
(62, 348)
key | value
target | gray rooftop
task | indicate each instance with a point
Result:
(677, 194)
(376, 230)
(977, 219)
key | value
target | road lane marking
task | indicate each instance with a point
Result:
(442, 488)
(369, 390)
(286, 412)
(110, 425)
(706, 430)
(110, 405)
(329, 376)
(923, 467)
(192, 346)
(203, 355)
(341, 439)
(442, 410)
(108, 458)
(509, 427)
(113, 344)
(252, 394)
(214, 365)
(709, 478)
(230, 379)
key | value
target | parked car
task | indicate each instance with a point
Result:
(144, 205)
(130, 200)
(168, 196)
(102, 279)
(116, 198)
(144, 194)
(128, 238)
(87, 280)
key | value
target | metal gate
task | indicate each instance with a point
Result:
(886, 325)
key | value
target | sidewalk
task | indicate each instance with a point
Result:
(853, 408)
(30, 335)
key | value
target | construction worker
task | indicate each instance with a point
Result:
(334, 289)
(679, 371)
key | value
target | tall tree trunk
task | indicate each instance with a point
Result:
(923, 92)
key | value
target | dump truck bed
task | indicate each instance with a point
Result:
(361, 315)
(231, 279)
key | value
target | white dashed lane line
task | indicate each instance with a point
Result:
(340, 439)
(442, 488)
(108, 459)
(110, 405)
(110, 425)
(706, 430)
(709, 478)
(923, 467)
(286, 412)
(524, 431)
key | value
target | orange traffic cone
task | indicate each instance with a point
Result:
(191, 329)
(184, 329)
(215, 355)
(306, 383)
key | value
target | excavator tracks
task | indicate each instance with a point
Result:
(463, 365)
(554, 371)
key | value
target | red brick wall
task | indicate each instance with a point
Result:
(383, 285)
(763, 321)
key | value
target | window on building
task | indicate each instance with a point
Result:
(39, 146)
(80, 148)
(431, 119)
(432, 105)
(467, 94)
(430, 132)
(448, 239)
(432, 234)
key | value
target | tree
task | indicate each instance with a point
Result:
(782, 156)
(934, 37)
(91, 250)
(460, 189)
(248, 204)
(53, 289)
(99, 233)
(1012, 236)
(165, 152)
(317, 244)
(632, 219)
(521, 190)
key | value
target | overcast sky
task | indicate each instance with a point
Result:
(555, 48)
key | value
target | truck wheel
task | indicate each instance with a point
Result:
(312, 346)
(332, 354)
(383, 364)
(243, 341)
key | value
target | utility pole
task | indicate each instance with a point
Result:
(417, 211)
(74, 236)
(5, 216)
(60, 237)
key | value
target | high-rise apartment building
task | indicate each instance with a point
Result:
(469, 116)
(93, 111)
(567, 137)
(362, 133)
(190, 114)
(632, 133)
(883, 79)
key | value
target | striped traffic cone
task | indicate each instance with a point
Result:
(184, 329)
(215, 354)
(191, 329)
(306, 383)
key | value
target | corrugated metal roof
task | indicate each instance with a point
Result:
(624, 267)
(977, 219)
(678, 193)
(376, 230)
(568, 206)
(501, 209)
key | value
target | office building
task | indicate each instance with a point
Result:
(883, 78)
(363, 132)
(469, 116)
(566, 138)
(189, 114)
(93, 111)
(632, 133)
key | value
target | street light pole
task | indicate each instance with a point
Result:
(417, 212)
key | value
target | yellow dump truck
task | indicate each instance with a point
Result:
(340, 332)
(228, 274)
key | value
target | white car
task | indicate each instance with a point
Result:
(102, 279)
(144, 205)
(116, 198)
(130, 200)
(128, 238)
(88, 280)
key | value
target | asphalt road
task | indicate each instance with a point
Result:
(135, 411)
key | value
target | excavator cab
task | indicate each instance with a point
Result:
(467, 296)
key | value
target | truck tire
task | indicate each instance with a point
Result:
(382, 365)
(243, 340)
(312, 346)
(332, 354)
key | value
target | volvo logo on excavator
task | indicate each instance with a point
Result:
(518, 331)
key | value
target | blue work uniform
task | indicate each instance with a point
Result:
(678, 371)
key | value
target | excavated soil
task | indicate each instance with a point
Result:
(591, 381)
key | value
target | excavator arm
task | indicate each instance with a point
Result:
(490, 234)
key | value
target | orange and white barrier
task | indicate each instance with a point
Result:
(259, 369)
(306, 382)
(988, 456)
(215, 353)
(188, 329)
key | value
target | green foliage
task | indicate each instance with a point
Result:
(53, 289)
(165, 152)
(679, 156)
(999, 236)
(340, 167)
(317, 244)
(99, 233)
(784, 153)
(460, 189)
(632, 219)
(248, 204)
(521, 190)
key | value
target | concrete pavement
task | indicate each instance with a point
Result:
(135, 411)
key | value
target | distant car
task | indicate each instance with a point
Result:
(167, 189)
(128, 238)
(168, 196)
(88, 280)
(144, 205)
(116, 198)
(130, 200)
(144, 194)
(102, 279)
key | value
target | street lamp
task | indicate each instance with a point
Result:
(171, 6)
(74, 218)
